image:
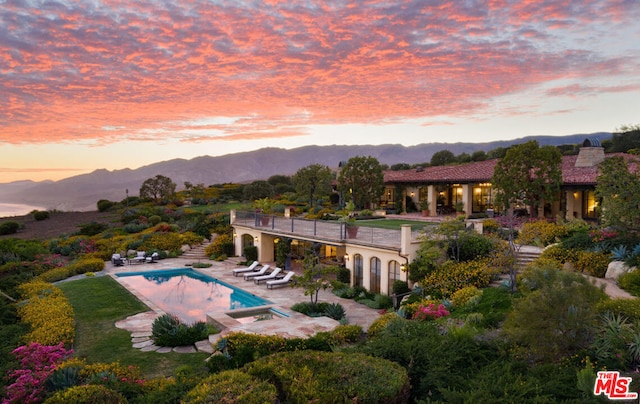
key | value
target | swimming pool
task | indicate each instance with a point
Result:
(189, 294)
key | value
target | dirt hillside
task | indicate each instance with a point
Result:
(59, 223)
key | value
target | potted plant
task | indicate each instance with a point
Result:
(264, 207)
(350, 219)
(424, 205)
(460, 208)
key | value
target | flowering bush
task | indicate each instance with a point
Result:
(37, 363)
(541, 232)
(462, 297)
(592, 263)
(83, 265)
(430, 312)
(48, 312)
(449, 278)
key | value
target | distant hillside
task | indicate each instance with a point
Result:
(80, 193)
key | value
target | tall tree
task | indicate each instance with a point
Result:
(313, 181)
(158, 188)
(362, 180)
(619, 191)
(258, 190)
(442, 158)
(528, 173)
(626, 138)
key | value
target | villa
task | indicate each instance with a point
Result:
(377, 257)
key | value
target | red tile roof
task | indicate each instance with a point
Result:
(482, 171)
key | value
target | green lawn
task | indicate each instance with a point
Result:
(394, 224)
(98, 303)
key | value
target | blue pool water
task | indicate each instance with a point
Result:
(188, 293)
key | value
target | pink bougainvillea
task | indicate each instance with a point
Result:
(430, 312)
(37, 362)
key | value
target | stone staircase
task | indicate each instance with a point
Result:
(197, 253)
(526, 255)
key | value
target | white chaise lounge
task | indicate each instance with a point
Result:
(261, 272)
(279, 282)
(273, 275)
(241, 270)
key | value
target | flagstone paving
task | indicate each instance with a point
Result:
(296, 325)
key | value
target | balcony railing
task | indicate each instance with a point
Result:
(330, 231)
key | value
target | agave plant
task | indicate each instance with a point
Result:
(335, 311)
(620, 252)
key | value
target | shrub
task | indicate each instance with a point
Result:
(473, 245)
(87, 394)
(629, 308)
(334, 311)
(154, 220)
(161, 241)
(329, 377)
(48, 312)
(453, 276)
(9, 227)
(630, 282)
(346, 334)
(462, 296)
(54, 275)
(36, 363)
(93, 228)
(40, 215)
(251, 253)
(541, 232)
(592, 263)
(400, 287)
(104, 205)
(430, 312)
(343, 275)
(222, 245)
(169, 330)
(84, 265)
(381, 323)
(560, 254)
(232, 386)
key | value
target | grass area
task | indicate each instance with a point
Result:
(394, 224)
(98, 303)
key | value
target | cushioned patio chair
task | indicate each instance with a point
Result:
(273, 275)
(288, 278)
(261, 272)
(140, 257)
(118, 260)
(250, 268)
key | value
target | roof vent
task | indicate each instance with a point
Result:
(419, 169)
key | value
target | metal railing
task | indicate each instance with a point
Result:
(321, 229)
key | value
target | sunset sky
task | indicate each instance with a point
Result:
(121, 84)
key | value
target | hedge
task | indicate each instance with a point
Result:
(48, 312)
(232, 386)
(332, 377)
(91, 393)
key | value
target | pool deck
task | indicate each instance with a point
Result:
(283, 297)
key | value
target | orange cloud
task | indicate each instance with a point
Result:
(115, 71)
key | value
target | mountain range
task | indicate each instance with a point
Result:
(81, 192)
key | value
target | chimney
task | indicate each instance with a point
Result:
(590, 154)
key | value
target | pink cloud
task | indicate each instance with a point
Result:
(67, 72)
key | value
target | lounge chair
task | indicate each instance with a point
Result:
(152, 258)
(140, 257)
(273, 275)
(279, 282)
(242, 270)
(261, 272)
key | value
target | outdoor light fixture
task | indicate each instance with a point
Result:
(403, 267)
(256, 239)
(346, 257)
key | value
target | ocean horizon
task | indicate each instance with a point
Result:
(17, 209)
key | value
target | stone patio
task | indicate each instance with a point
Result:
(282, 298)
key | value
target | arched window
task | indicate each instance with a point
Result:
(375, 275)
(394, 275)
(357, 270)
